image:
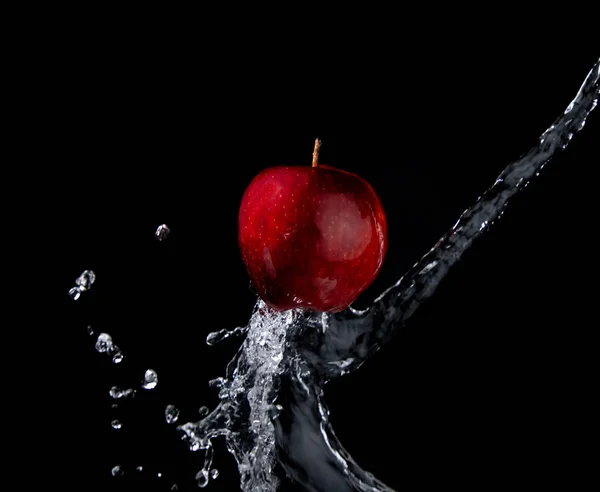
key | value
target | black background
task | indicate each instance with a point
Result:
(490, 385)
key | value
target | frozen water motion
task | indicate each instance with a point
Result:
(272, 412)
(296, 352)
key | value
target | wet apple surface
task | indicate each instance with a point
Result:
(311, 237)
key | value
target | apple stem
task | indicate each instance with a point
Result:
(316, 152)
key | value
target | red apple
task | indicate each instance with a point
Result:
(311, 237)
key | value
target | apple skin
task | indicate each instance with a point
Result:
(311, 237)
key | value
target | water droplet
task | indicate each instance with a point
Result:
(216, 383)
(202, 478)
(118, 358)
(162, 232)
(114, 405)
(86, 279)
(139, 468)
(117, 393)
(203, 411)
(194, 446)
(171, 414)
(215, 337)
(214, 473)
(74, 293)
(150, 380)
(174, 487)
(90, 330)
(159, 474)
(116, 424)
(104, 342)
(117, 471)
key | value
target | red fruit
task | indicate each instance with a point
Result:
(311, 237)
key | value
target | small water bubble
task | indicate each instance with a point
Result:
(118, 358)
(104, 342)
(86, 279)
(90, 330)
(139, 468)
(117, 471)
(150, 380)
(203, 411)
(194, 446)
(214, 473)
(171, 414)
(174, 487)
(114, 405)
(162, 232)
(159, 474)
(116, 424)
(75, 293)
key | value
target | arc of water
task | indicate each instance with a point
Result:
(377, 324)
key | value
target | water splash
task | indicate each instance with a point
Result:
(295, 353)
(272, 410)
